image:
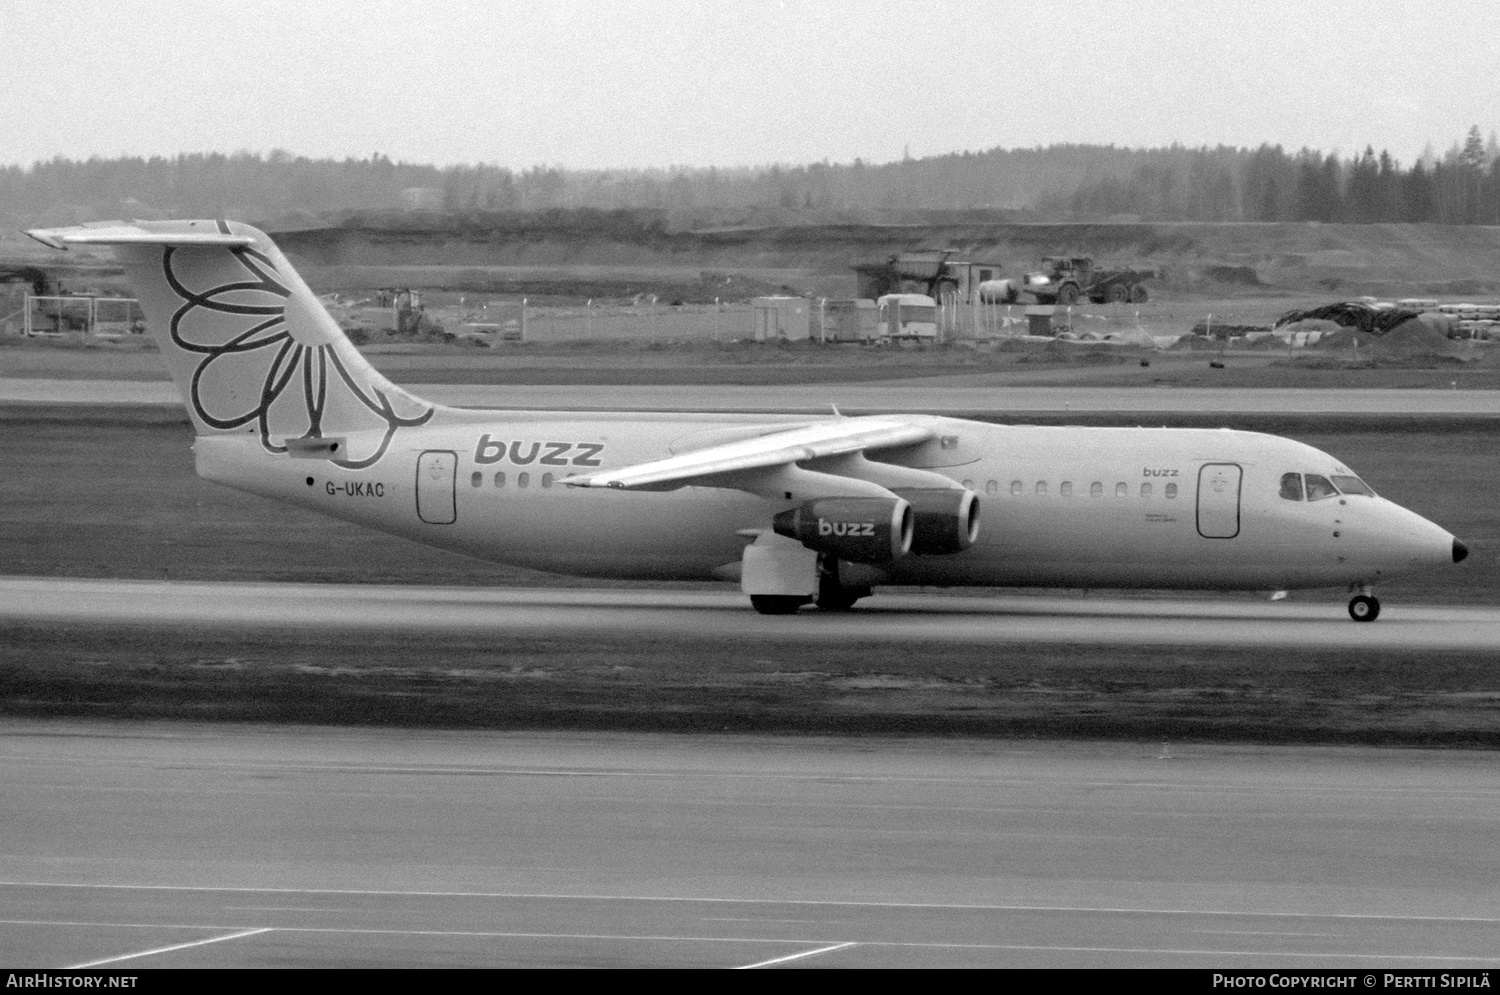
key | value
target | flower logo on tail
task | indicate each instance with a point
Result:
(291, 378)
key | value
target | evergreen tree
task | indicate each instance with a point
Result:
(1416, 195)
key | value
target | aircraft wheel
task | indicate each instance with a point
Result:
(1364, 608)
(1119, 293)
(840, 599)
(1067, 295)
(1138, 294)
(777, 604)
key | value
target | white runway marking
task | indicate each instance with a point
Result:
(717, 900)
(1383, 957)
(792, 957)
(162, 950)
(1296, 848)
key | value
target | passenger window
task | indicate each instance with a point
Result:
(969, 485)
(546, 480)
(1353, 485)
(1319, 488)
(523, 479)
(1291, 486)
(1096, 489)
(476, 479)
(1016, 487)
(1171, 492)
(1065, 489)
(1041, 487)
(1122, 489)
(1146, 490)
(500, 479)
(992, 488)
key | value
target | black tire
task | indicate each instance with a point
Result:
(777, 604)
(840, 601)
(1364, 608)
(1067, 294)
(1138, 294)
(1118, 293)
(832, 598)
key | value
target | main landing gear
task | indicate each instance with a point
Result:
(1364, 607)
(832, 595)
(777, 604)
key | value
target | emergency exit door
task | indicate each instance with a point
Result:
(1219, 500)
(437, 478)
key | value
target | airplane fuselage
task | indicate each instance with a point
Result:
(1061, 506)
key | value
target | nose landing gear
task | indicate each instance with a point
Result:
(1364, 606)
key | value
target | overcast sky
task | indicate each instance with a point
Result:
(668, 82)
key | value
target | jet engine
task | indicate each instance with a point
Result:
(944, 520)
(861, 530)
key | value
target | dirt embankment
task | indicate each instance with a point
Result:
(1339, 260)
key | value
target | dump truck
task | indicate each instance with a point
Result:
(40, 285)
(933, 272)
(1069, 279)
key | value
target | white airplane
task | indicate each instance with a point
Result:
(798, 510)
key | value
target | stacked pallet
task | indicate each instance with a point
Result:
(1475, 321)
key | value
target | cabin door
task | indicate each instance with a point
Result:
(1219, 500)
(437, 475)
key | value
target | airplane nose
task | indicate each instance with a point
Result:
(1460, 551)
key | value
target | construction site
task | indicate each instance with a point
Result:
(399, 282)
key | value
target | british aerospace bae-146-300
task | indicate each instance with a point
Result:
(798, 510)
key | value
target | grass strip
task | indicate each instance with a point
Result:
(696, 684)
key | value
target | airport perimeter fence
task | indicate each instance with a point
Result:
(728, 322)
(644, 324)
(737, 321)
(99, 317)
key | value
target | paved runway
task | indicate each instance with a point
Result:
(160, 845)
(864, 397)
(890, 618)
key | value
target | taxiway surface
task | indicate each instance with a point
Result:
(860, 397)
(892, 618)
(161, 845)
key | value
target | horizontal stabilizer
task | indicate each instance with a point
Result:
(126, 233)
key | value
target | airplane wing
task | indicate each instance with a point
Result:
(766, 452)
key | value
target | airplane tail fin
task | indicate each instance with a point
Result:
(249, 345)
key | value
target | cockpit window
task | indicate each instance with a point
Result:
(1353, 485)
(1319, 488)
(1291, 486)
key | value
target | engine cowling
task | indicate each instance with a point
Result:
(944, 520)
(861, 530)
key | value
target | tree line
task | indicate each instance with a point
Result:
(1270, 184)
(1057, 182)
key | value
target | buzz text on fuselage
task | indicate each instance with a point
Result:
(523, 452)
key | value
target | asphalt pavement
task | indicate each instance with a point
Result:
(136, 845)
